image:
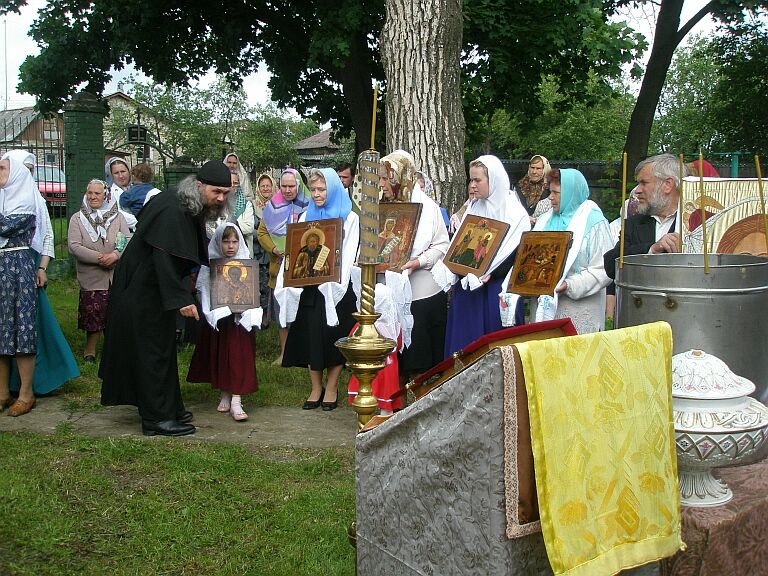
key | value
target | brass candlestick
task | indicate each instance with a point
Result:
(366, 350)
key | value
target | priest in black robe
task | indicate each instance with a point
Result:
(150, 285)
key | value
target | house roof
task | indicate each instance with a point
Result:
(321, 140)
(14, 122)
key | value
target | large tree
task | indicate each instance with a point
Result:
(668, 34)
(424, 113)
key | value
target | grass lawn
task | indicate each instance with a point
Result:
(75, 505)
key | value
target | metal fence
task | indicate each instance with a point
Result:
(27, 130)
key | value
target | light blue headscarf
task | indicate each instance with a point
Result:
(337, 202)
(574, 191)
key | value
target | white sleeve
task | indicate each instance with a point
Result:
(589, 275)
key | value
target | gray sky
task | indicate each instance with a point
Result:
(17, 46)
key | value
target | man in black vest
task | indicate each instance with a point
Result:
(653, 229)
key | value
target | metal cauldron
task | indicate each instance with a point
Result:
(723, 312)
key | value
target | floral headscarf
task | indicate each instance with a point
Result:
(96, 221)
(401, 169)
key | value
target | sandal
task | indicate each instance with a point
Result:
(236, 410)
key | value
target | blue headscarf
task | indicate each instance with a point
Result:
(574, 191)
(337, 202)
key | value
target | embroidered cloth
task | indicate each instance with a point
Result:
(603, 444)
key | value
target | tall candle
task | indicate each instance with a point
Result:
(680, 204)
(621, 210)
(762, 198)
(704, 246)
(373, 120)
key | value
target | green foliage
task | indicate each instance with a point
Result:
(591, 129)
(738, 100)
(322, 54)
(684, 117)
(182, 120)
(267, 140)
(512, 46)
(206, 123)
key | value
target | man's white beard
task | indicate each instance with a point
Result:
(656, 204)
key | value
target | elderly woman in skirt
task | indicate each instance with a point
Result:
(96, 238)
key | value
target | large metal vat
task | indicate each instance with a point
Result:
(723, 312)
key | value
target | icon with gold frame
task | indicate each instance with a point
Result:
(475, 245)
(539, 263)
(313, 253)
(234, 283)
(398, 222)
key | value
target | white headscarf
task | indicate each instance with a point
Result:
(26, 158)
(502, 204)
(96, 221)
(20, 196)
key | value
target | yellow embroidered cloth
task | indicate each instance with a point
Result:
(604, 448)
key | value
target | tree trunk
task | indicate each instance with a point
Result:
(420, 49)
(664, 43)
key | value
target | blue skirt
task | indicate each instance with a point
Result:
(54, 362)
(472, 314)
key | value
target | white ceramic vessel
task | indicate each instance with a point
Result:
(716, 424)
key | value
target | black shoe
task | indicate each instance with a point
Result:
(166, 428)
(90, 359)
(328, 406)
(185, 417)
(312, 404)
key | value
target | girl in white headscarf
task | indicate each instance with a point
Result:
(97, 234)
(225, 351)
(474, 306)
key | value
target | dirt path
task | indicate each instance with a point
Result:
(266, 427)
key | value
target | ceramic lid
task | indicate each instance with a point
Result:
(696, 374)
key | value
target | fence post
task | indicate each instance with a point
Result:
(175, 172)
(83, 149)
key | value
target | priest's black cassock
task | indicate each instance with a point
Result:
(150, 285)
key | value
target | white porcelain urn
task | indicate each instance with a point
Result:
(717, 424)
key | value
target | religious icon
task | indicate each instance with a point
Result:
(313, 253)
(474, 245)
(234, 283)
(539, 263)
(398, 222)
